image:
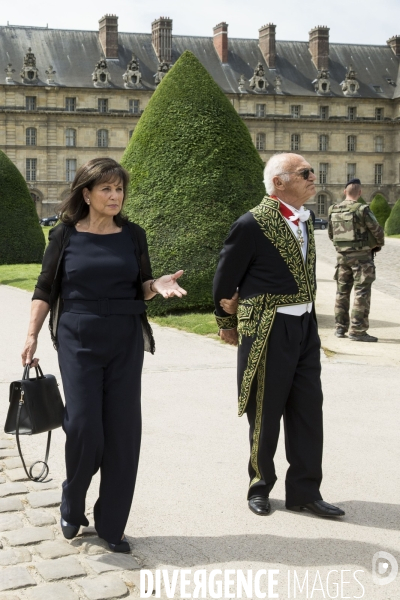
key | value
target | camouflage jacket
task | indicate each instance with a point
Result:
(352, 227)
(263, 258)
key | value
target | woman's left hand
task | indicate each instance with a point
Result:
(168, 287)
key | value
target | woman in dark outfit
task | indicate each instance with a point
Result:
(95, 277)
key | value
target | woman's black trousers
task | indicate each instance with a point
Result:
(101, 361)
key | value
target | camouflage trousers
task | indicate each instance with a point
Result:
(353, 269)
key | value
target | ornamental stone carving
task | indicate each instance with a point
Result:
(29, 73)
(50, 75)
(101, 75)
(322, 83)
(258, 83)
(162, 70)
(242, 84)
(9, 73)
(132, 76)
(278, 84)
(350, 85)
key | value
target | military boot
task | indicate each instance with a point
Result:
(340, 332)
(364, 337)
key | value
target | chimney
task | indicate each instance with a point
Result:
(161, 38)
(108, 33)
(221, 41)
(394, 43)
(266, 40)
(319, 46)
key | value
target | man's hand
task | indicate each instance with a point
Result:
(229, 336)
(230, 306)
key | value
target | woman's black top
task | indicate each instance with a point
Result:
(99, 266)
(49, 284)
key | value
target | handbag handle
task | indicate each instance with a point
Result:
(45, 469)
(39, 372)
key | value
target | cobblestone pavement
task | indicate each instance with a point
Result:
(36, 562)
(387, 262)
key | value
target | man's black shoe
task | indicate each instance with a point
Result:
(319, 508)
(340, 332)
(364, 337)
(260, 505)
(69, 531)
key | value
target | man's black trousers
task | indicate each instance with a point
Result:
(292, 389)
(101, 361)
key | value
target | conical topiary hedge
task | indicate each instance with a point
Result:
(380, 208)
(21, 237)
(392, 225)
(194, 170)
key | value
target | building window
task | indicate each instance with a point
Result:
(321, 204)
(323, 172)
(30, 102)
(352, 113)
(31, 167)
(379, 114)
(70, 104)
(351, 171)
(260, 141)
(103, 105)
(323, 142)
(379, 144)
(324, 112)
(102, 138)
(351, 143)
(260, 110)
(295, 142)
(295, 110)
(31, 136)
(378, 174)
(70, 169)
(134, 106)
(70, 137)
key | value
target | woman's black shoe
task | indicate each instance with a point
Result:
(123, 546)
(69, 531)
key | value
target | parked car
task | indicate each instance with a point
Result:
(320, 223)
(49, 220)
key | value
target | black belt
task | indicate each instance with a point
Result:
(105, 307)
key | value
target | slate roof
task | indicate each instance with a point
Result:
(74, 55)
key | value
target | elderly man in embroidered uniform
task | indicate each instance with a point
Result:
(269, 257)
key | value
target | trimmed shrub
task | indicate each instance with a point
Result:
(361, 200)
(392, 225)
(21, 236)
(194, 171)
(380, 208)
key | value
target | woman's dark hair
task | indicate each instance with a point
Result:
(97, 170)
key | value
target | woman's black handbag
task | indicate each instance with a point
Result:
(35, 407)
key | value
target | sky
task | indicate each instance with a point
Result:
(350, 21)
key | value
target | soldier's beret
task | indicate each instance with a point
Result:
(352, 181)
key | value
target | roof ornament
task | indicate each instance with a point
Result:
(242, 84)
(9, 73)
(322, 84)
(258, 83)
(162, 70)
(29, 73)
(101, 75)
(132, 76)
(350, 85)
(278, 84)
(50, 75)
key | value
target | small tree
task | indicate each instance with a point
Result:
(194, 171)
(21, 237)
(380, 208)
(392, 225)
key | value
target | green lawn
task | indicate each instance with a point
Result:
(397, 235)
(201, 323)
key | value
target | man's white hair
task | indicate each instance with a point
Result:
(277, 164)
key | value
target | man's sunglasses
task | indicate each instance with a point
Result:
(305, 173)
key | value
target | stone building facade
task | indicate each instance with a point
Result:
(68, 96)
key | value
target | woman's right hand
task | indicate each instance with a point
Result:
(29, 352)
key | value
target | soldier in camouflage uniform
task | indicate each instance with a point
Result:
(356, 235)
